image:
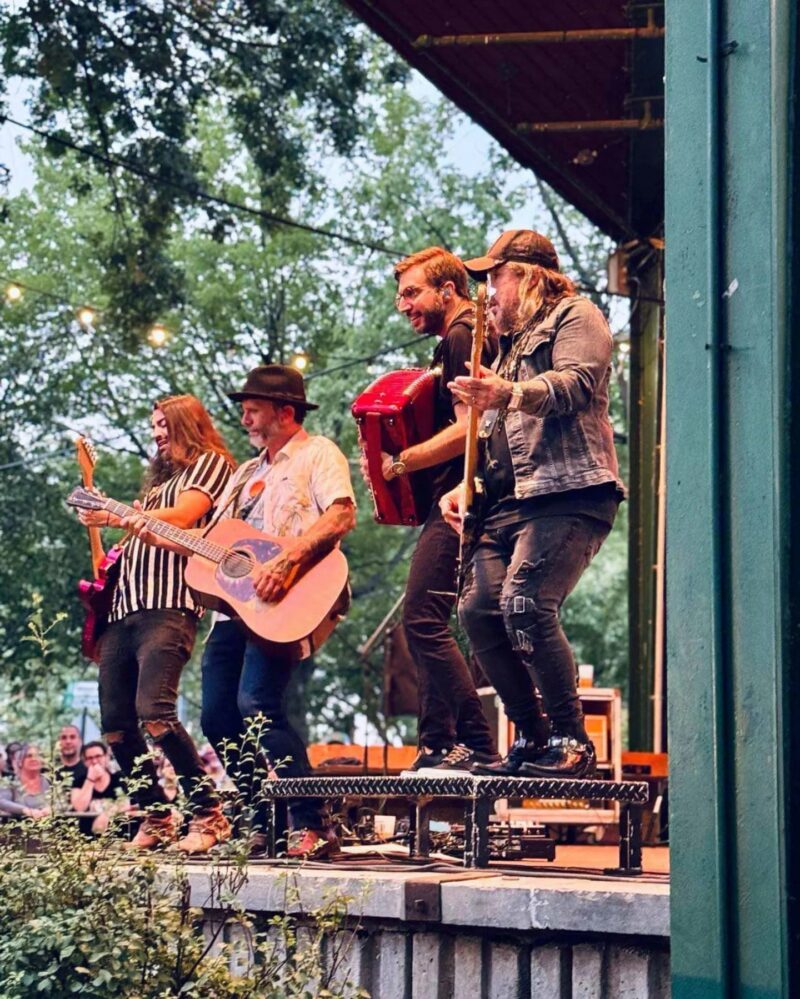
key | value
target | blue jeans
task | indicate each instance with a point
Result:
(244, 677)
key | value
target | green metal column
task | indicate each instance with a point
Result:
(645, 390)
(730, 157)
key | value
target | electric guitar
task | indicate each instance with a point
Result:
(473, 486)
(219, 573)
(97, 593)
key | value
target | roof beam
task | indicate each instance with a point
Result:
(541, 37)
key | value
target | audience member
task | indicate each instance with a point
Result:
(214, 768)
(167, 778)
(12, 752)
(69, 766)
(28, 793)
(99, 792)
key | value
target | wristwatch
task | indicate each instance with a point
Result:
(398, 466)
(515, 402)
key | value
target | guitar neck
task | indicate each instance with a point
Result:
(196, 544)
(96, 549)
(473, 417)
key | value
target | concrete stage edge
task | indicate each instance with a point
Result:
(478, 934)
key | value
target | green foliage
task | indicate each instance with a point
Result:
(127, 80)
(81, 918)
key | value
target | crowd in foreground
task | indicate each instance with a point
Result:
(80, 780)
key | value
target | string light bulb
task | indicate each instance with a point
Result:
(623, 346)
(13, 293)
(300, 361)
(157, 336)
(85, 316)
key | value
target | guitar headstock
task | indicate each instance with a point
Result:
(85, 500)
(87, 459)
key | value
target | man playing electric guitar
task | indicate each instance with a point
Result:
(298, 489)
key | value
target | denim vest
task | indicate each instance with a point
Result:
(568, 442)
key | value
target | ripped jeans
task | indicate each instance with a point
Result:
(519, 577)
(141, 661)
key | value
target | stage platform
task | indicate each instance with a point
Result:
(558, 930)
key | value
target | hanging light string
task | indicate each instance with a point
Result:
(200, 195)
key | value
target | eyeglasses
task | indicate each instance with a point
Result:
(95, 759)
(407, 295)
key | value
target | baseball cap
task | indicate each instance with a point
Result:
(521, 245)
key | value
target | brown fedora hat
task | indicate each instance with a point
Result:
(521, 245)
(276, 382)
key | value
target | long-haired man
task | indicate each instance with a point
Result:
(552, 489)
(152, 627)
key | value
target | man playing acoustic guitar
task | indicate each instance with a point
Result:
(298, 489)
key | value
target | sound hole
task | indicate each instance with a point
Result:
(238, 564)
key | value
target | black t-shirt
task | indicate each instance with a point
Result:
(77, 773)
(599, 502)
(113, 790)
(452, 354)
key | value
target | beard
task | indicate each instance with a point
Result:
(433, 318)
(506, 318)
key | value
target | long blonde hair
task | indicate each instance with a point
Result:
(540, 290)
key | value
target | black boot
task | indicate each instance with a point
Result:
(523, 752)
(564, 757)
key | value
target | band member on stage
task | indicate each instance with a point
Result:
(152, 628)
(297, 488)
(433, 294)
(552, 490)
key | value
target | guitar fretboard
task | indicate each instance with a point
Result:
(195, 543)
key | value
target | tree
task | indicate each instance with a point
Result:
(127, 81)
(252, 290)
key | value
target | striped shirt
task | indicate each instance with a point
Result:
(152, 578)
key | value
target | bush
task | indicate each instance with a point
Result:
(84, 918)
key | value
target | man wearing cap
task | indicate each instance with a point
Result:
(433, 294)
(297, 488)
(552, 489)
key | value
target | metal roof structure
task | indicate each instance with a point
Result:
(573, 90)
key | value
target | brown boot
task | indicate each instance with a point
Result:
(156, 831)
(312, 844)
(205, 831)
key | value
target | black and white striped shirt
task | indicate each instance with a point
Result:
(152, 578)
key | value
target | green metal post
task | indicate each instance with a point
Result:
(645, 393)
(730, 66)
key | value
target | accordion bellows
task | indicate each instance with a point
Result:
(396, 411)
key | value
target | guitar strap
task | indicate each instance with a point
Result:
(232, 499)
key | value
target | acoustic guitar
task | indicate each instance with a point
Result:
(219, 573)
(97, 593)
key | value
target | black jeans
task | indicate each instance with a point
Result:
(449, 708)
(141, 661)
(518, 578)
(243, 678)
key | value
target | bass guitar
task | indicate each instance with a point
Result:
(97, 593)
(220, 574)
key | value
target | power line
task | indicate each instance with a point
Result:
(200, 194)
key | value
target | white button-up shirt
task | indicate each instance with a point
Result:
(286, 496)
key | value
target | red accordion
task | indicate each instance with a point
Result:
(396, 411)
